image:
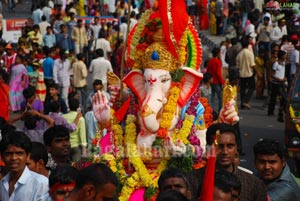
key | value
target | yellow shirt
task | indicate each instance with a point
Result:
(245, 63)
(78, 137)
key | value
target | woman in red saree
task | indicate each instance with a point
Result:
(203, 14)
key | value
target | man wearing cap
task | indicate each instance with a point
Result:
(278, 32)
(10, 57)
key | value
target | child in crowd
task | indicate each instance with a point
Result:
(32, 72)
(54, 96)
(90, 119)
(55, 114)
(40, 85)
(31, 102)
(35, 124)
(97, 86)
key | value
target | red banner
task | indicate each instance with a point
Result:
(17, 24)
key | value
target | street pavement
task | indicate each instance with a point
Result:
(22, 10)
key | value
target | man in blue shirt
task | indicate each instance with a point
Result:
(20, 183)
(274, 171)
(48, 65)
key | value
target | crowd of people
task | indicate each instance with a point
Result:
(44, 83)
(260, 52)
(29, 177)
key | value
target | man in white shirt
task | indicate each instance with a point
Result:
(123, 27)
(103, 44)
(263, 30)
(111, 6)
(20, 183)
(250, 30)
(133, 19)
(47, 11)
(61, 74)
(99, 67)
(278, 85)
(37, 15)
(43, 25)
(96, 28)
(278, 32)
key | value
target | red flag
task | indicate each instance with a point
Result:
(207, 191)
(120, 114)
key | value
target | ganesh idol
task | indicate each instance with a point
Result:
(167, 126)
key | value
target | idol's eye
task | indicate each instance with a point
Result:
(166, 79)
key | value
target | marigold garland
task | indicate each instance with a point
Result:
(137, 33)
(118, 139)
(142, 176)
(185, 129)
(182, 47)
(130, 185)
(169, 110)
(208, 117)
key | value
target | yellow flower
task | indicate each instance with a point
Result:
(185, 129)
(114, 169)
(108, 157)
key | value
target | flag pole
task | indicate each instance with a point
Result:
(124, 50)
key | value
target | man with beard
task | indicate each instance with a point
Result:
(274, 171)
(57, 141)
(225, 135)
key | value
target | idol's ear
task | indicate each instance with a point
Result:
(191, 80)
(135, 80)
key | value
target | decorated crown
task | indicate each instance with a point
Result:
(157, 57)
(164, 39)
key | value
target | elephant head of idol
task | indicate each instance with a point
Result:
(165, 72)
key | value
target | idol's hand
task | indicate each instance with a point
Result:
(228, 114)
(101, 108)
